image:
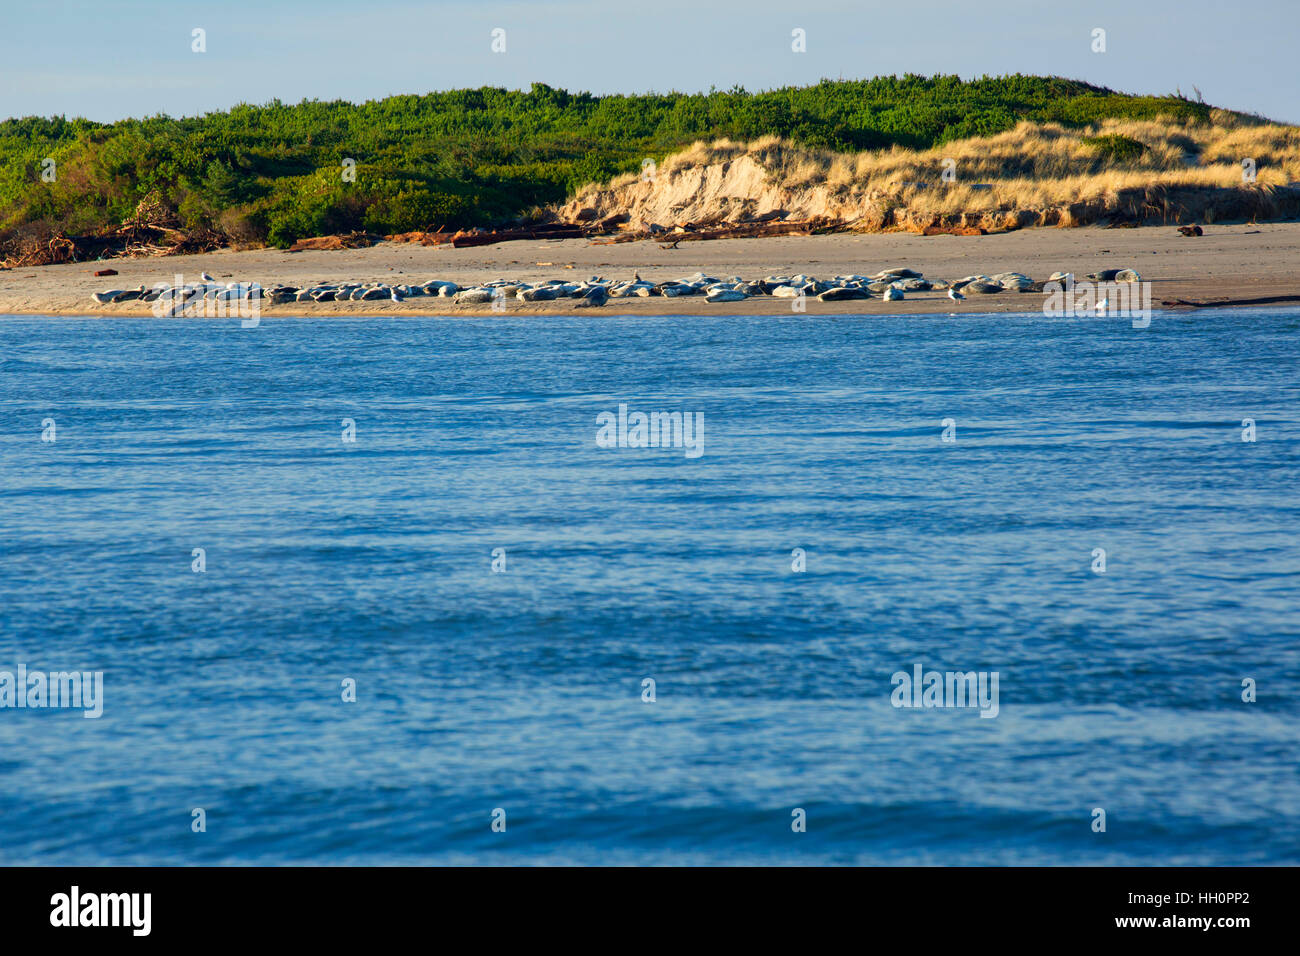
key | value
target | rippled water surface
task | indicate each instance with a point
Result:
(522, 690)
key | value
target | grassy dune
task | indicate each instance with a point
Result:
(1180, 169)
(481, 157)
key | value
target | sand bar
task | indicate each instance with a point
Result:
(1228, 262)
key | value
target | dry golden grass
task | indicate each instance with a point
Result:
(1030, 167)
(1034, 174)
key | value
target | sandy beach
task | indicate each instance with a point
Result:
(1228, 262)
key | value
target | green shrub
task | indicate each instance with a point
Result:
(485, 156)
(1114, 147)
(413, 209)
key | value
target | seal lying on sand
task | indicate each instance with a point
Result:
(725, 295)
(593, 297)
(1014, 281)
(1115, 275)
(844, 293)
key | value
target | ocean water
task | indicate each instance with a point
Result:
(371, 561)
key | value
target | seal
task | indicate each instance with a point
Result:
(843, 294)
(725, 295)
(594, 297)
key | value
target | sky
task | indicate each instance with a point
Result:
(110, 59)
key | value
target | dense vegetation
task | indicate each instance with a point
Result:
(474, 157)
(1115, 147)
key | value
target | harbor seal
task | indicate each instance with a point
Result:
(725, 295)
(1115, 275)
(843, 294)
(593, 297)
(1014, 282)
(674, 289)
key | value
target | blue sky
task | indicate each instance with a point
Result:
(107, 59)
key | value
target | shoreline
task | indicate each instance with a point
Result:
(1240, 264)
(766, 308)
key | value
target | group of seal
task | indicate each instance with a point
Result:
(182, 294)
(890, 285)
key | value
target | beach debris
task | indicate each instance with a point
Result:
(695, 232)
(484, 237)
(954, 231)
(1191, 231)
(349, 240)
(100, 273)
(1220, 303)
